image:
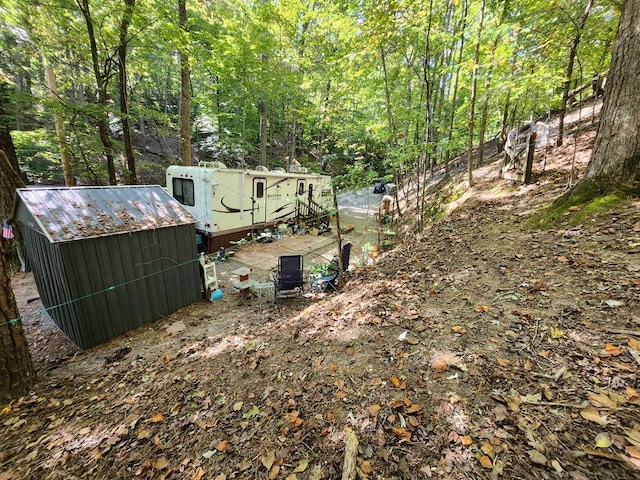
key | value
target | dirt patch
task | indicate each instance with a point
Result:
(477, 348)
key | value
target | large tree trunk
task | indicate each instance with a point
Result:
(16, 369)
(131, 176)
(10, 179)
(185, 92)
(6, 143)
(616, 153)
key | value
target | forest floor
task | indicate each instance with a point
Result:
(481, 347)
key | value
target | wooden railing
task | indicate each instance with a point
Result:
(312, 213)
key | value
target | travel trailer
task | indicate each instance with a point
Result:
(230, 204)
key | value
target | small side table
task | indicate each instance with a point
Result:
(263, 289)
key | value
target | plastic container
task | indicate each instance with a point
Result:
(216, 295)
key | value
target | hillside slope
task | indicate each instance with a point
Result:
(478, 348)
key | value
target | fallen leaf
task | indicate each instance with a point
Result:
(222, 446)
(273, 473)
(237, 406)
(209, 453)
(556, 332)
(562, 259)
(467, 440)
(199, 474)
(268, 459)
(459, 329)
(222, 476)
(396, 382)
(613, 350)
(165, 358)
(601, 400)
(161, 463)
(635, 344)
(158, 417)
(486, 462)
(251, 413)
(536, 457)
(481, 308)
(591, 413)
(402, 434)
(632, 451)
(366, 467)
(603, 440)
(533, 398)
(614, 303)
(414, 408)
(143, 434)
(302, 466)
(340, 394)
(503, 362)
(633, 436)
(440, 365)
(488, 449)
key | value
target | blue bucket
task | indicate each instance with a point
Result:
(216, 295)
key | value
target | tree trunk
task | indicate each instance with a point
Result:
(262, 110)
(16, 369)
(569, 73)
(474, 90)
(57, 120)
(485, 102)
(131, 176)
(616, 152)
(185, 90)
(6, 143)
(10, 179)
(455, 87)
(101, 85)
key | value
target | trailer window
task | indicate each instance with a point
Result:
(183, 191)
(259, 190)
(300, 188)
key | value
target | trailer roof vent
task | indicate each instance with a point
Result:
(261, 168)
(212, 165)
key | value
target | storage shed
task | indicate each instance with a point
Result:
(107, 260)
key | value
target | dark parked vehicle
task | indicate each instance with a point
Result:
(379, 187)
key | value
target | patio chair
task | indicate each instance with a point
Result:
(288, 280)
(331, 281)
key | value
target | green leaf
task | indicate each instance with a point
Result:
(603, 440)
(255, 411)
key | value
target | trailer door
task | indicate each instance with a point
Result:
(259, 200)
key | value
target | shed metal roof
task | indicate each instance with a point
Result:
(71, 213)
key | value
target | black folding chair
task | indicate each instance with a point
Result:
(288, 279)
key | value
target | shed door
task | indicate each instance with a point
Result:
(259, 198)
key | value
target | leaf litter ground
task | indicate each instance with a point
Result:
(480, 348)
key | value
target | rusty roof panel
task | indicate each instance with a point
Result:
(72, 213)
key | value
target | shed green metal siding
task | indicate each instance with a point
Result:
(101, 287)
(107, 260)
